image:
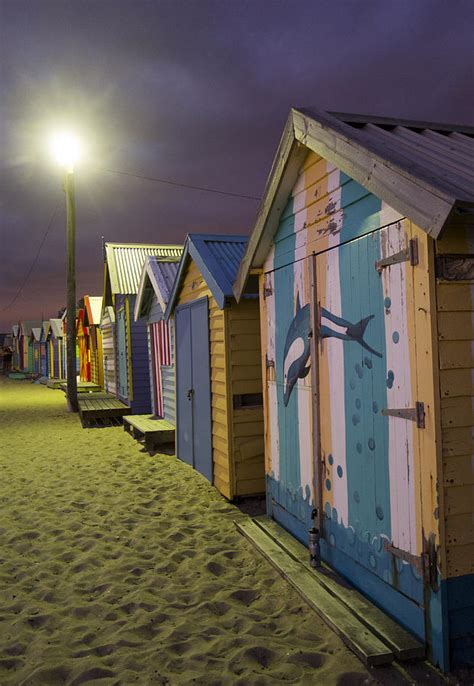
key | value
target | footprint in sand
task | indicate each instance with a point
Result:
(245, 596)
(92, 674)
(215, 568)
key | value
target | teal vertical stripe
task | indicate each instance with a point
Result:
(285, 243)
(365, 389)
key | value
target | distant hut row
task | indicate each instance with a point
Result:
(326, 362)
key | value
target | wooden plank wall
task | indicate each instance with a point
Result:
(194, 287)
(455, 304)
(108, 349)
(139, 384)
(245, 376)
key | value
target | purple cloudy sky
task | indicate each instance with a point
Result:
(195, 91)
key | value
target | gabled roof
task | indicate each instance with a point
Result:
(15, 330)
(26, 327)
(93, 308)
(109, 312)
(56, 330)
(36, 333)
(45, 329)
(124, 263)
(217, 258)
(423, 170)
(157, 278)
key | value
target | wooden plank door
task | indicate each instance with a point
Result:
(193, 392)
(201, 384)
(184, 384)
(369, 480)
(122, 354)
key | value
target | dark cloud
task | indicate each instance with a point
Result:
(197, 92)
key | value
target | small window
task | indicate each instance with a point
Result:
(247, 400)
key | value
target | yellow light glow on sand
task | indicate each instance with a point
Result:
(66, 149)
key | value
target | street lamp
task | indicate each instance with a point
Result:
(66, 149)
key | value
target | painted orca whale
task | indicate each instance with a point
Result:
(296, 353)
(353, 332)
(297, 349)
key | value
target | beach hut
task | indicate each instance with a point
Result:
(126, 370)
(219, 415)
(83, 345)
(35, 342)
(364, 243)
(54, 339)
(26, 344)
(92, 311)
(44, 351)
(153, 295)
(15, 347)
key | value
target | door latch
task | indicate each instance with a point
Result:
(190, 393)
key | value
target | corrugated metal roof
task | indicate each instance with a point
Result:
(157, 278)
(125, 263)
(443, 155)
(217, 258)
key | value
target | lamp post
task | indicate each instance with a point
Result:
(66, 150)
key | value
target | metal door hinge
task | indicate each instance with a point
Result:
(409, 254)
(269, 363)
(414, 414)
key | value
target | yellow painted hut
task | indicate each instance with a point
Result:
(219, 413)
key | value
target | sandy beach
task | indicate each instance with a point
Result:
(117, 567)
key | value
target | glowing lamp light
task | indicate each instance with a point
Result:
(66, 150)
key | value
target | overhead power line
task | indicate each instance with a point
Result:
(33, 264)
(180, 185)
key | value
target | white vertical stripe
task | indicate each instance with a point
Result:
(401, 466)
(272, 398)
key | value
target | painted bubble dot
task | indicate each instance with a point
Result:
(387, 303)
(327, 510)
(371, 444)
(356, 496)
(332, 540)
(372, 561)
(359, 448)
(339, 471)
(390, 378)
(359, 371)
(368, 362)
(351, 537)
(328, 484)
(395, 336)
(355, 419)
(358, 403)
(379, 512)
(334, 514)
(352, 384)
(375, 407)
(330, 459)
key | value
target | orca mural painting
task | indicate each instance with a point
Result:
(296, 362)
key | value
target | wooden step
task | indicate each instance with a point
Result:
(401, 642)
(368, 647)
(154, 431)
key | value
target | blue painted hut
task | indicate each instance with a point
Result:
(44, 351)
(154, 291)
(125, 341)
(219, 415)
(364, 243)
